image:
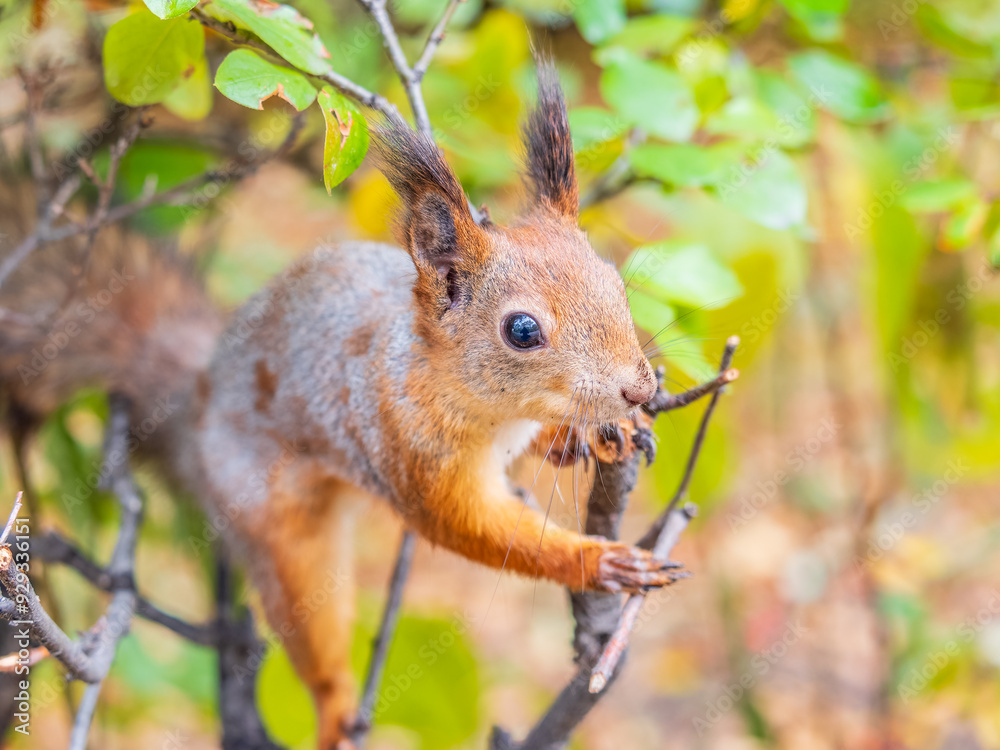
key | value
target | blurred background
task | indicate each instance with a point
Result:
(818, 177)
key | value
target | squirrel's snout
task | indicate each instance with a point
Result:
(640, 390)
(638, 394)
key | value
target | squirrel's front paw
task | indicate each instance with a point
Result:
(624, 568)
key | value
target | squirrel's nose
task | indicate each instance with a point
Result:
(642, 389)
(637, 394)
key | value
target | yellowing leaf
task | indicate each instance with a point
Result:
(192, 99)
(170, 8)
(145, 58)
(346, 137)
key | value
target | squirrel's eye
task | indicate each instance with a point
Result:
(522, 331)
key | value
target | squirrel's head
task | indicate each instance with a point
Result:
(532, 321)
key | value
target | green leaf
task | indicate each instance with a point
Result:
(192, 99)
(146, 58)
(796, 114)
(743, 117)
(170, 8)
(286, 707)
(590, 126)
(684, 164)
(964, 226)
(652, 35)
(684, 273)
(768, 191)
(281, 27)
(599, 19)
(652, 96)
(431, 685)
(346, 137)
(844, 88)
(249, 79)
(934, 196)
(822, 19)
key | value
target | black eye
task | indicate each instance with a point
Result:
(522, 331)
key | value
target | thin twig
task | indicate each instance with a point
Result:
(411, 82)
(664, 401)
(677, 521)
(12, 518)
(40, 235)
(434, 40)
(118, 619)
(650, 537)
(665, 532)
(382, 640)
(53, 548)
(182, 194)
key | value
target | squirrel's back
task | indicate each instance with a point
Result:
(303, 359)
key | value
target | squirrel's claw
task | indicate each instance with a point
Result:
(630, 569)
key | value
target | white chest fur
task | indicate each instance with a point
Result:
(513, 438)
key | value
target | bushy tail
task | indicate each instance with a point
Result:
(135, 320)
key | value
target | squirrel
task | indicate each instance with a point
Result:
(413, 374)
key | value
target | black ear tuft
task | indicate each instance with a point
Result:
(438, 228)
(414, 165)
(550, 148)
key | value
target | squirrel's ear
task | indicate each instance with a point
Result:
(438, 229)
(550, 148)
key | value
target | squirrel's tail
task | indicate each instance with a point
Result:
(135, 320)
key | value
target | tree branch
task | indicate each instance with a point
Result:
(434, 40)
(383, 639)
(53, 548)
(117, 621)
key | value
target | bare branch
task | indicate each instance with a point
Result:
(664, 401)
(677, 521)
(53, 548)
(118, 619)
(12, 518)
(382, 640)
(24, 609)
(39, 236)
(649, 539)
(434, 40)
